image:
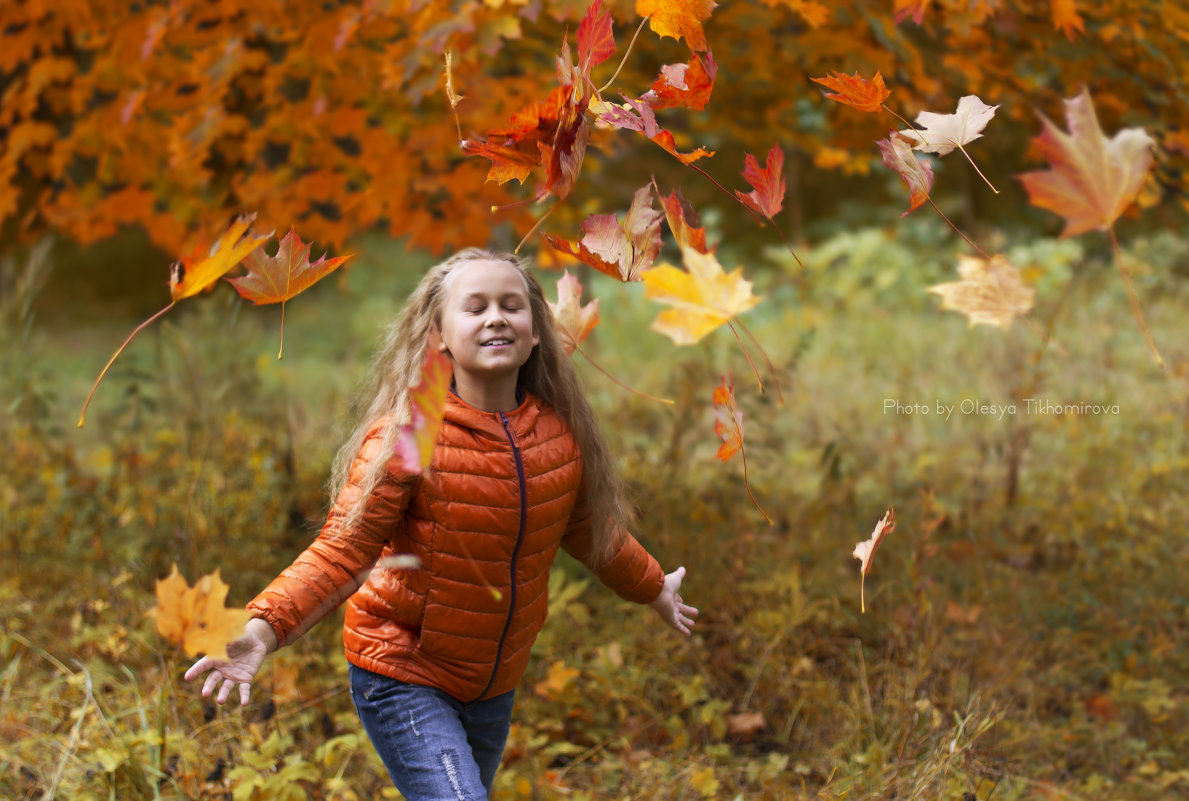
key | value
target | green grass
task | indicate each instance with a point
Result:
(1025, 623)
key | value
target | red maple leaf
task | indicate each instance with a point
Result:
(596, 43)
(767, 195)
(684, 85)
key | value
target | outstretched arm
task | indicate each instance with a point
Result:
(245, 655)
(671, 608)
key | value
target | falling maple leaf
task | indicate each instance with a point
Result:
(197, 272)
(683, 221)
(596, 42)
(902, 9)
(865, 550)
(941, 133)
(638, 115)
(681, 19)
(703, 296)
(276, 279)
(728, 425)
(1066, 17)
(192, 275)
(917, 173)
(684, 85)
(194, 617)
(767, 195)
(416, 439)
(990, 292)
(856, 91)
(1092, 179)
(623, 249)
(574, 321)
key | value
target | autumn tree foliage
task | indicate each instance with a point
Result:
(329, 117)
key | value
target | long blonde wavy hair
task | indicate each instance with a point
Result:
(548, 374)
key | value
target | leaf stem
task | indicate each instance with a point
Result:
(747, 484)
(1139, 315)
(598, 367)
(907, 124)
(623, 60)
(767, 362)
(533, 230)
(783, 239)
(957, 230)
(282, 350)
(754, 369)
(976, 169)
(82, 415)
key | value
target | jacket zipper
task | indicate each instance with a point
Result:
(515, 551)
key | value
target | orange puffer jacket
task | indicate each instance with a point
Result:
(504, 495)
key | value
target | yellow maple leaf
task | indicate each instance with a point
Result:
(194, 617)
(556, 681)
(989, 292)
(703, 298)
(197, 272)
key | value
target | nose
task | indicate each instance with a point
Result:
(495, 318)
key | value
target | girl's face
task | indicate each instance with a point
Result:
(487, 323)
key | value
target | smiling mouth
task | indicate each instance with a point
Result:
(491, 343)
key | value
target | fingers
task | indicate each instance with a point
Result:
(198, 668)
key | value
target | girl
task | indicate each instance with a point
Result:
(519, 469)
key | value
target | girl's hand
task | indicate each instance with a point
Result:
(245, 655)
(670, 606)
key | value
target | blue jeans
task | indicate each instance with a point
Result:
(435, 747)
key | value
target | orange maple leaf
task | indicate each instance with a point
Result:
(276, 279)
(574, 321)
(854, 90)
(703, 298)
(681, 19)
(683, 221)
(865, 550)
(1092, 179)
(427, 401)
(917, 173)
(1066, 17)
(194, 617)
(728, 425)
(767, 195)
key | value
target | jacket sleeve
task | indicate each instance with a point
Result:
(631, 572)
(337, 563)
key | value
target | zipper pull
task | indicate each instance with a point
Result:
(508, 429)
